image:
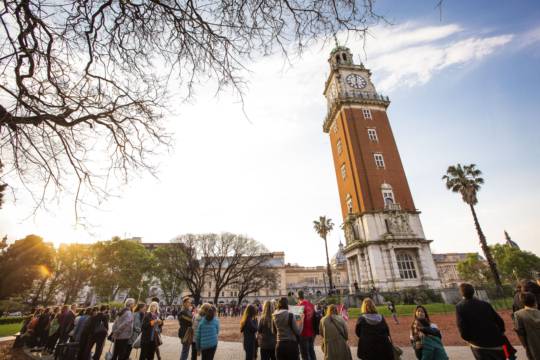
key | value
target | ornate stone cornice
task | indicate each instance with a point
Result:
(353, 97)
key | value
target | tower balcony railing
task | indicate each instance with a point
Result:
(364, 95)
(392, 207)
(353, 96)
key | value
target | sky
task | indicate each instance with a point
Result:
(463, 85)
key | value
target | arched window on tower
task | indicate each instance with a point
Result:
(388, 195)
(406, 265)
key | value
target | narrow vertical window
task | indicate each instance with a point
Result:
(349, 203)
(339, 147)
(367, 114)
(343, 171)
(387, 194)
(372, 135)
(379, 160)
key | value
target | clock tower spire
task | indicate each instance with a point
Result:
(385, 243)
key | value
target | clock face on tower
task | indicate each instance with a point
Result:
(356, 81)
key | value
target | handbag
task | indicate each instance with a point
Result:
(188, 336)
(108, 354)
(349, 354)
(137, 342)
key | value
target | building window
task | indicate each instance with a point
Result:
(334, 127)
(339, 147)
(406, 266)
(387, 194)
(379, 161)
(343, 172)
(349, 203)
(372, 134)
(367, 114)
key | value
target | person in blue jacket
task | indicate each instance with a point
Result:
(207, 334)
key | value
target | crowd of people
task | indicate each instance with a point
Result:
(276, 332)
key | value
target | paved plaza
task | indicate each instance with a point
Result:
(170, 350)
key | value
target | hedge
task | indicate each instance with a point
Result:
(11, 320)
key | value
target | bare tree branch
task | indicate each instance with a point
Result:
(80, 94)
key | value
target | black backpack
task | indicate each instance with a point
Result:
(316, 322)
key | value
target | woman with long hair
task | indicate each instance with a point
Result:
(248, 326)
(150, 329)
(426, 337)
(287, 331)
(373, 334)
(267, 339)
(207, 334)
(333, 330)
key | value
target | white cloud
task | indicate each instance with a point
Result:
(427, 51)
(530, 37)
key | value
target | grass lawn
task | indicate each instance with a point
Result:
(9, 329)
(434, 308)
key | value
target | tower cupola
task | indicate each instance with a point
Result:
(341, 55)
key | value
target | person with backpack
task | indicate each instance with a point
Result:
(333, 330)
(248, 327)
(287, 331)
(122, 330)
(84, 334)
(207, 334)
(373, 334)
(265, 337)
(307, 337)
(185, 331)
(99, 328)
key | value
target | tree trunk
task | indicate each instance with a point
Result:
(328, 270)
(35, 299)
(487, 254)
(196, 298)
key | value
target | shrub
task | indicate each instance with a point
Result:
(11, 320)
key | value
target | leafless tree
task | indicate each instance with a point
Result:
(78, 79)
(232, 257)
(255, 279)
(192, 261)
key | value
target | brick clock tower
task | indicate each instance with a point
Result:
(385, 244)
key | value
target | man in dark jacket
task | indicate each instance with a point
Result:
(67, 323)
(480, 325)
(185, 320)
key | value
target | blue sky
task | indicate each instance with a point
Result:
(463, 89)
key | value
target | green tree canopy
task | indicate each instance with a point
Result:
(168, 262)
(515, 263)
(119, 265)
(474, 270)
(23, 262)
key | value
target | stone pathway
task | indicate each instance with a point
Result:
(170, 350)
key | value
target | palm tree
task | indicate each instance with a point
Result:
(466, 180)
(323, 227)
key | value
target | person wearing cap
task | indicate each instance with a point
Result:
(185, 332)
